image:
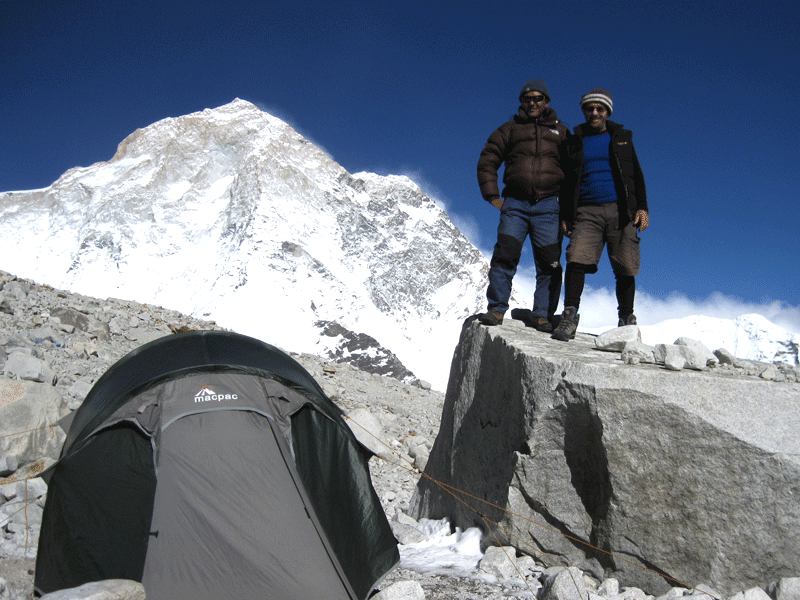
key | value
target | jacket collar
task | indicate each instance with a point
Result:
(548, 117)
(582, 130)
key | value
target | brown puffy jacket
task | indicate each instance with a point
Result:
(534, 154)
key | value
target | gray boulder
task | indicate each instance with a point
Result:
(614, 340)
(699, 349)
(368, 430)
(567, 584)
(20, 365)
(500, 562)
(5, 305)
(28, 415)
(787, 588)
(676, 357)
(636, 352)
(726, 357)
(655, 478)
(16, 289)
(401, 590)
(752, 594)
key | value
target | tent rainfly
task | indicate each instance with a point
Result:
(210, 465)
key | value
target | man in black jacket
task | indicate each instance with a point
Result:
(604, 202)
(532, 147)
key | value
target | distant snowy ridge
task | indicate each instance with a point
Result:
(750, 336)
(230, 214)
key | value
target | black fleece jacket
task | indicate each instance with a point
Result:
(628, 177)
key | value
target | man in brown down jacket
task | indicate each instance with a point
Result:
(532, 146)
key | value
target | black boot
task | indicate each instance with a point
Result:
(491, 318)
(568, 325)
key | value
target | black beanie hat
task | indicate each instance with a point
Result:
(535, 85)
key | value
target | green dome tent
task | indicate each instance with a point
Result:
(210, 465)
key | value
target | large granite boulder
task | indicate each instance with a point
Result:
(658, 478)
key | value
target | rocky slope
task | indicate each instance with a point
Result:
(71, 339)
(70, 353)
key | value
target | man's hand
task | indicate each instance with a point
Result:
(497, 203)
(566, 229)
(641, 220)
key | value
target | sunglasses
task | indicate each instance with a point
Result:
(532, 99)
(593, 109)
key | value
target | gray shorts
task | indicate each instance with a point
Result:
(598, 224)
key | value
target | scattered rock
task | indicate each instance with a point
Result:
(755, 593)
(701, 355)
(636, 352)
(726, 357)
(567, 584)
(402, 590)
(500, 562)
(787, 588)
(614, 340)
(674, 357)
(110, 589)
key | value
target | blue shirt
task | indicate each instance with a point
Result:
(597, 180)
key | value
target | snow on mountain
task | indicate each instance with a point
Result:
(748, 336)
(232, 215)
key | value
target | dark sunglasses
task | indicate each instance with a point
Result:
(534, 99)
(598, 109)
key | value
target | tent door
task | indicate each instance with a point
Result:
(228, 520)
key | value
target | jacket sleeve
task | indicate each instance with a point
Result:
(492, 156)
(564, 162)
(638, 179)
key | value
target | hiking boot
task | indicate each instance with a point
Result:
(523, 314)
(568, 325)
(542, 324)
(491, 318)
(629, 320)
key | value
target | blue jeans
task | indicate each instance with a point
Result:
(518, 220)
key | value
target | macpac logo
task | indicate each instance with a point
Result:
(206, 394)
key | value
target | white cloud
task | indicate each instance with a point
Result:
(599, 307)
(676, 305)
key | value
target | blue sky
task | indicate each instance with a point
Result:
(709, 89)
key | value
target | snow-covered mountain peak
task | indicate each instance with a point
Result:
(231, 213)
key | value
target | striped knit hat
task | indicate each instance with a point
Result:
(598, 95)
